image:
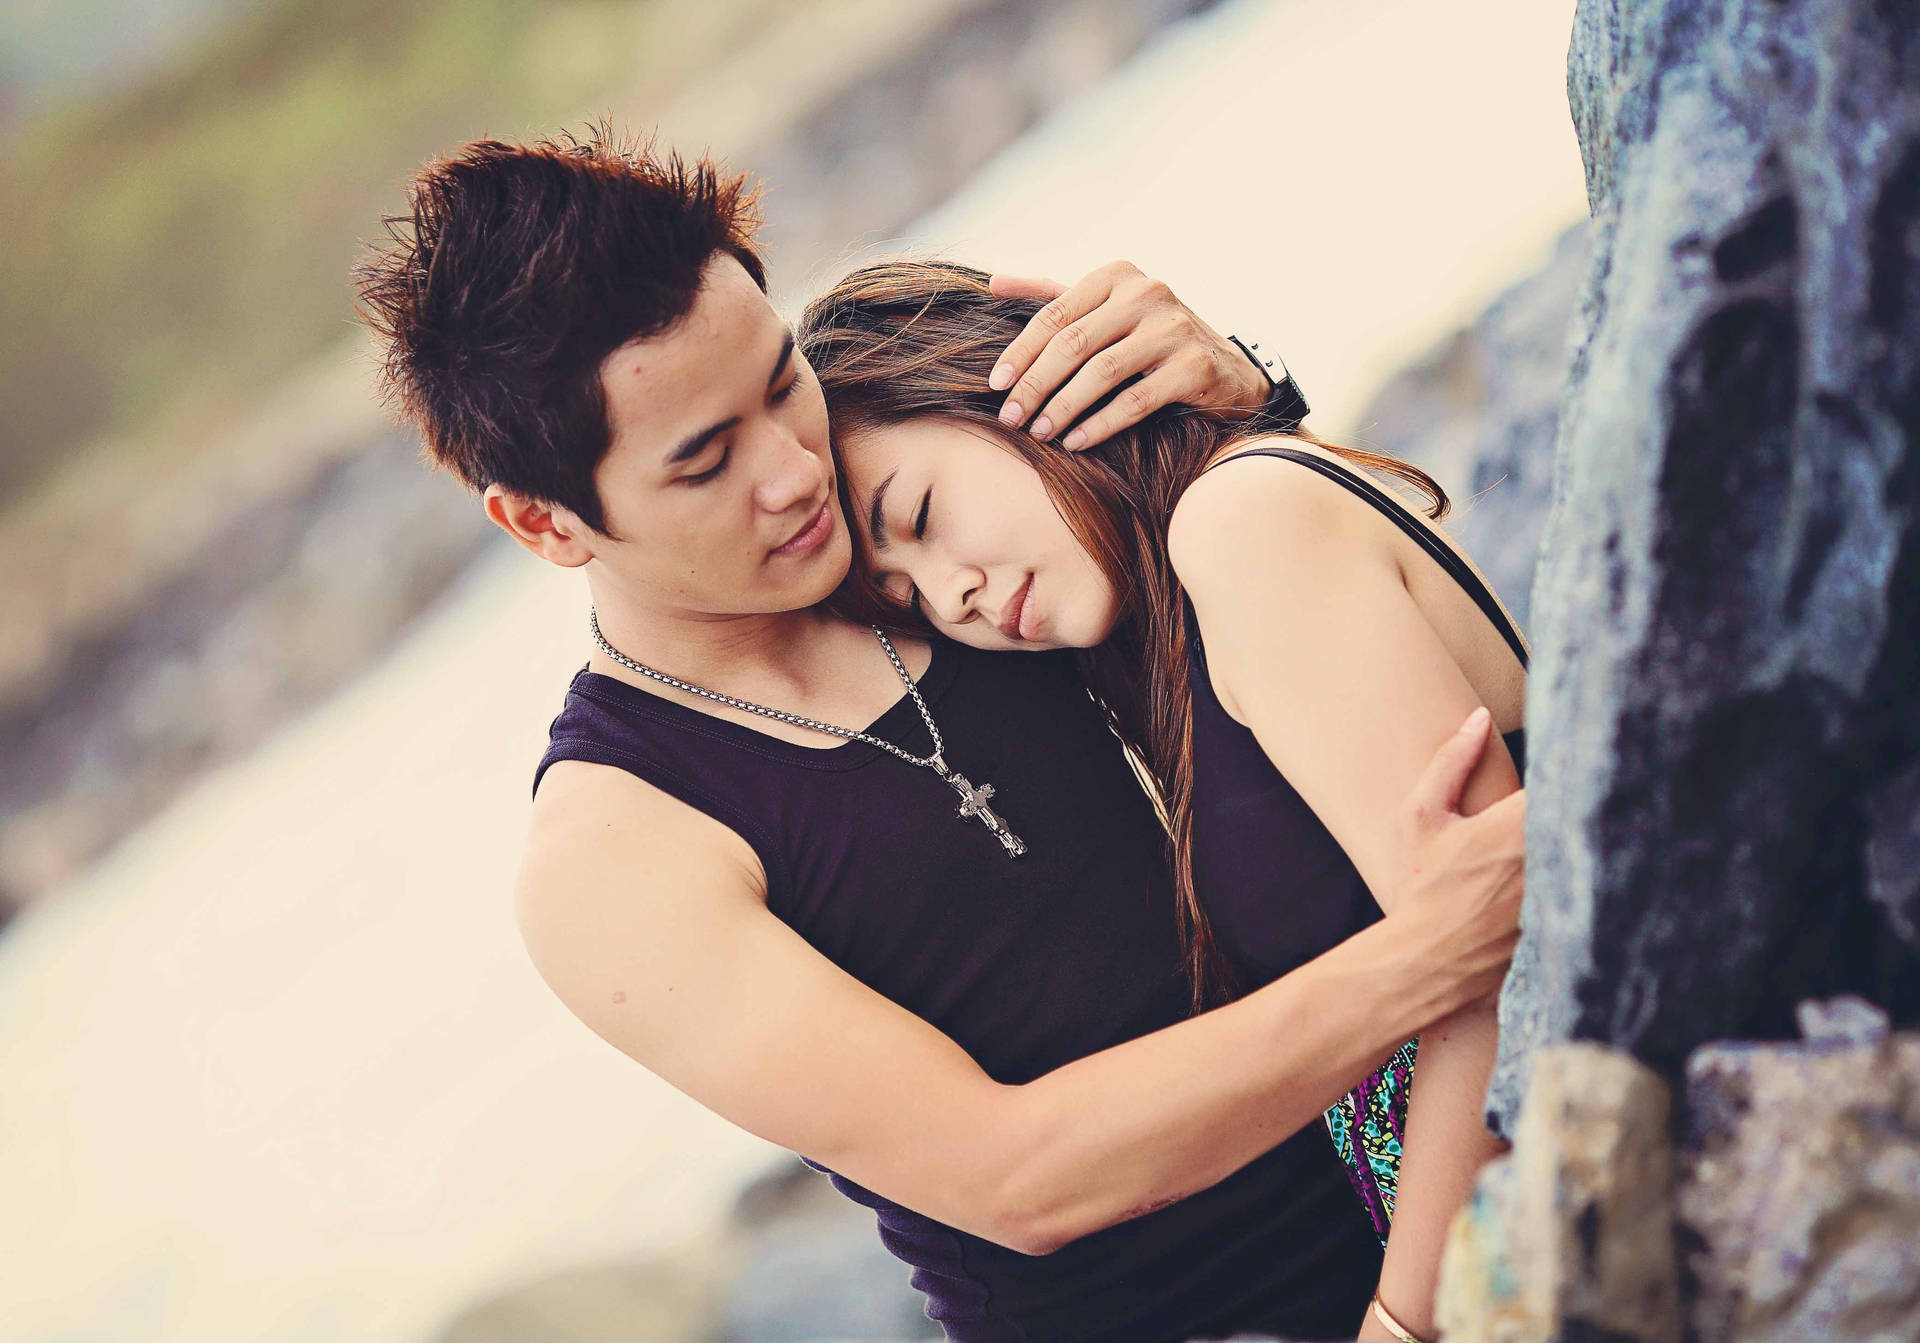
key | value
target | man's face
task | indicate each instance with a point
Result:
(719, 479)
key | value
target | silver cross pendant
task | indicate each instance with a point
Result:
(973, 807)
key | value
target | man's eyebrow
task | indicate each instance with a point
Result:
(780, 364)
(876, 522)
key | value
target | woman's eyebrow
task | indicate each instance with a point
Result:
(876, 511)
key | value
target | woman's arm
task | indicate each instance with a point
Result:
(647, 918)
(1314, 642)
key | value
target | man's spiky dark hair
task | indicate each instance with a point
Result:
(516, 271)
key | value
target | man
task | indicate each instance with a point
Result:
(753, 866)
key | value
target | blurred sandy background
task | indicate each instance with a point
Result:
(274, 1065)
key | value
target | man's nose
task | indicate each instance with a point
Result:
(794, 474)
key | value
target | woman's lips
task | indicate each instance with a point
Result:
(1013, 620)
(816, 532)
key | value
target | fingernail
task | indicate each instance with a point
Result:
(1011, 413)
(1042, 427)
(1475, 719)
(1001, 378)
(1075, 441)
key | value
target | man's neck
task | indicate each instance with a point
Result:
(808, 661)
(703, 648)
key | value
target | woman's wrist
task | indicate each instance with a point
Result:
(1398, 1326)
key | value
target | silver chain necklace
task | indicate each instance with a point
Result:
(973, 801)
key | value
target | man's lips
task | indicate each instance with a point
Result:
(1010, 618)
(816, 531)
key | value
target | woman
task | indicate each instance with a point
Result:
(1280, 641)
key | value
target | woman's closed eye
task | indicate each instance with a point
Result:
(919, 530)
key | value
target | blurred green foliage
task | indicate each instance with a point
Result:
(171, 245)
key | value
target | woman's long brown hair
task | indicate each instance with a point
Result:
(912, 339)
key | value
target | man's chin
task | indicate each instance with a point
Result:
(836, 561)
(824, 572)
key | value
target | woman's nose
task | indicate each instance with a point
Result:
(794, 475)
(952, 597)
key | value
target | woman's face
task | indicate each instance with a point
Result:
(957, 523)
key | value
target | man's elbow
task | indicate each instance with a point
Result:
(1013, 1197)
(1025, 1232)
(1009, 1174)
(1036, 1206)
(1043, 1206)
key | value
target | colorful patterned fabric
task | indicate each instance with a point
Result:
(1367, 1125)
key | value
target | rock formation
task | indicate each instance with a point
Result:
(1724, 713)
(1800, 1195)
(1789, 1213)
(1572, 1235)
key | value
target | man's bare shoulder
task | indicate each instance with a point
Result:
(599, 832)
(631, 905)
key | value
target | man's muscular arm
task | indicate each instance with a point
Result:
(648, 919)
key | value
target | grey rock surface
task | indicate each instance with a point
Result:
(1800, 1198)
(1724, 729)
(1841, 1021)
(1571, 1234)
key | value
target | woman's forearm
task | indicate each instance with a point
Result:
(1445, 1146)
(1096, 1147)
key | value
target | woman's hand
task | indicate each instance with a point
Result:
(1116, 324)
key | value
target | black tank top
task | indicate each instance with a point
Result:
(1027, 963)
(1277, 887)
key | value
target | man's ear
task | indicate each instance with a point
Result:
(553, 533)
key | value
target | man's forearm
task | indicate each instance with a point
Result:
(1144, 1124)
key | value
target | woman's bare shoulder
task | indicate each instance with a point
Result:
(1246, 508)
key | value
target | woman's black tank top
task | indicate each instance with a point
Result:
(1027, 963)
(1277, 887)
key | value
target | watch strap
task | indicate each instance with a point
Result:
(1286, 405)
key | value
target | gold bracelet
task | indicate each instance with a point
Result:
(1393, 1326)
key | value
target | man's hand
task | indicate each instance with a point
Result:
(1465, 873)
(1113, 325)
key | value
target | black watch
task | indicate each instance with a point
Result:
(1285, 405)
